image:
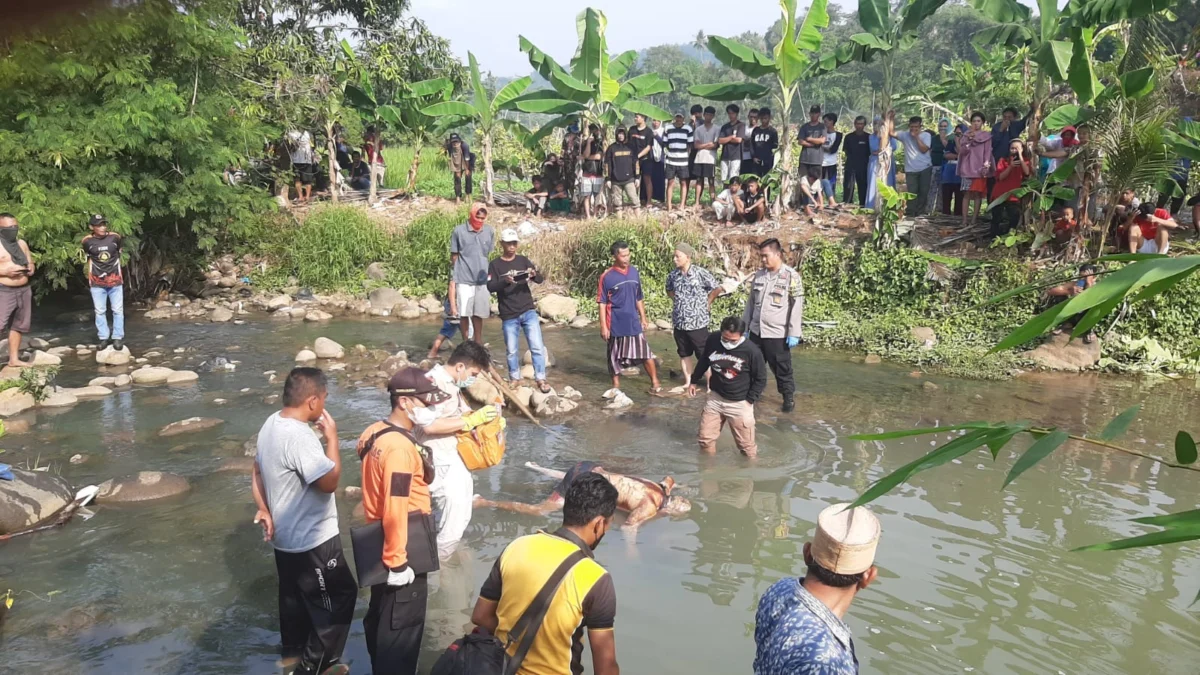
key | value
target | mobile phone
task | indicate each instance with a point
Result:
(1081, 283)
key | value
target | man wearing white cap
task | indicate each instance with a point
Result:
(799, 628)
(509, 277)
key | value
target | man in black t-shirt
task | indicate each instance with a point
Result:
(765, 140)
(641, 141)
(737, 381)
(857, 147)
(509, 277)
(103, 249)
(621, 165)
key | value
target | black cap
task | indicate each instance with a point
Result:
(97, 219)
(455, 137)
(415, 383)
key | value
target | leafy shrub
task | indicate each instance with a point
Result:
(333, 246)
(422, 253)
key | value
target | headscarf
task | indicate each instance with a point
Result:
(1069, 142)
(475, 219)
(949, 126)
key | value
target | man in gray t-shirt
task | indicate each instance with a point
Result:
(293, 482)
(812, 143)
(470, 245)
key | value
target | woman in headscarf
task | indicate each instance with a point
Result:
(873, 165)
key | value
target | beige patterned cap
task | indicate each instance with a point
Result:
(846, 539)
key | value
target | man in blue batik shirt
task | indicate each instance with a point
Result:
(799, 628)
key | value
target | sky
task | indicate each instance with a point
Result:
(489, 28)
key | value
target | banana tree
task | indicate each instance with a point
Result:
(591, 88)
(404, 113)
(484, 113)
(793, 57)
(883, 38)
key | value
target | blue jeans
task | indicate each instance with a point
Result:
(102, 299)
(529, 323)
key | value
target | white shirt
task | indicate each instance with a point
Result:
(726, 196)
(830, 158)
(814, 186)
(1052, 143)
(914, 159)
(455, 406)
(301, 143)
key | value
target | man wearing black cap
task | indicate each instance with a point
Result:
(396, 473)
(103, 249)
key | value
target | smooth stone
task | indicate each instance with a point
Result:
(376, 272)
(31, 498)
(328, 349)
(37, 343)
(384, 298)
(873, 359)
(59, 399)
(524, 394)
(41, 358)
(580, 322)
(143, 486)
(483, 392)
(571, 393)
(61, 351)
(151, 375)
(220, 315)
(102, 381)
(190, 425)
(558, 307)
(182, 377)
(91, 391)
(314, 315)
(237, 465)
(527, 358)
(1061, 352)
(112, 357)
(305, 355)
(78, 459)
(122, 380)
(279, 302)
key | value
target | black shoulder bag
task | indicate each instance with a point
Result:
(367, 540)
(482, 654)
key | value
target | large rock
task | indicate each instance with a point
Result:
(161, 313)
(538, 399)
(122, 381)
(279, 302)
(430, 304)
(182, 377)
(524, 394)
(220, 315)
(151, 375)
(112, 357)
(407, 310)
(384, 298)
(102, 381)
(1060, 352)
(90, 391)
(41, 358)
(328, 349)
(33, 343)
(190, 425)
(306, 356)
(394, 364)
(376, 272)
(31, 498)
(59, 399)
(924, 336)
(580, 321)
(483, 392)
(142, 486)
(13, 401)
(527, 358)
(315, 315)
(558, 307)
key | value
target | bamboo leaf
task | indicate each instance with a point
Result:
(1185, 448)
(1036, 453)
(750, 62)
(1183, 519)
(1120, 423)
(996, 443)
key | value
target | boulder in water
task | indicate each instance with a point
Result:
(122, 381)
(328, 349)
(279, 302)
(151, 375)
(237, 465)
(32, 497)
(384, 298)
(580, 321)
(315, 315)
(220, 315)
(102, 381)
(90, 391)
(558, 308)
(183, 377)
(41, 358)
(483, 392)
(142, 486)
(527, 358)
(873, 359)
(430, 304)
(306, 356)
(13, 401)
(60, 398)
(524, 394)
(1061, 352)
(190, 425)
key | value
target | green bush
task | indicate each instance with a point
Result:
(422, 253)
(332, 248)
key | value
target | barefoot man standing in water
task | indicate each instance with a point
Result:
(642, 498)
(16, 298)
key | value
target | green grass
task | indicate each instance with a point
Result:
(433, 174)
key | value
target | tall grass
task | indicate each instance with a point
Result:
(433, 175)
(421, 263)
(332, 247)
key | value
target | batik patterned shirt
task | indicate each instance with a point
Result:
(796, 634)
(691, 289)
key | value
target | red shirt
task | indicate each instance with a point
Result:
(1012, 182)
(1149, 227)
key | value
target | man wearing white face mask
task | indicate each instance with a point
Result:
(737, 381)
(453, 488)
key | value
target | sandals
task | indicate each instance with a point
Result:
(543, 387)
(656, 390)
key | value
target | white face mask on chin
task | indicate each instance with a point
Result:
(732, 345)
(423, 416)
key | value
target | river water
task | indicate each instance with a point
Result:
(973, 578)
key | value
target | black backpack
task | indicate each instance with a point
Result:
(482, 654)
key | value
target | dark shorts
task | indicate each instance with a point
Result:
(646, 165)
(304, 173)
(677, 172)
(702, 171)
(690, 342)
(16, 308)
(574, 472)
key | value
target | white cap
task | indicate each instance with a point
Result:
(509, 235)
(846, 539)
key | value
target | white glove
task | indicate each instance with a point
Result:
(398, 579)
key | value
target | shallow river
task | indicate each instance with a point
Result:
(973, 578)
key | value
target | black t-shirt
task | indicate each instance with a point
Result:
(593, 167)
(619, 160)
(639, 139)
(104, 259)
(857, 145)
(765, 141)
(514, 299)
(738, 374)
(359, 170)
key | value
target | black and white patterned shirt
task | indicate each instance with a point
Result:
(691, 290)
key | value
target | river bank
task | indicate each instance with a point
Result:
(185, 584)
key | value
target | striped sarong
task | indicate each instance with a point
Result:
(626, 351)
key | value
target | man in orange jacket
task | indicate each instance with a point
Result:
(396, 474)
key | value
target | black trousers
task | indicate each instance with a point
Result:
(317, 591)
(395, 624)
(1005, 218)
(856, 176)
(458, 181)
(779, 360)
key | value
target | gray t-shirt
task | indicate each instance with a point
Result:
(472, 248)
(291, 459)
(704, 134)
(812, 155)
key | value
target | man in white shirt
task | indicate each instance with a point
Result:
(829, 162)
(810, 191)
(300, 146)
(729, 203)
(918, 164)
(706, 137)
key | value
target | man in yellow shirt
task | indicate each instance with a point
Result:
(585, 598)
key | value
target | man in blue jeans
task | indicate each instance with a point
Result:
(103, 249)
(509, 277)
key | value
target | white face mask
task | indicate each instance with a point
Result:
(732, 345)
(423, 416)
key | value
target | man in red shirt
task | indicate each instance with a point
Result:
(1149, 231)
(1011, 171)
